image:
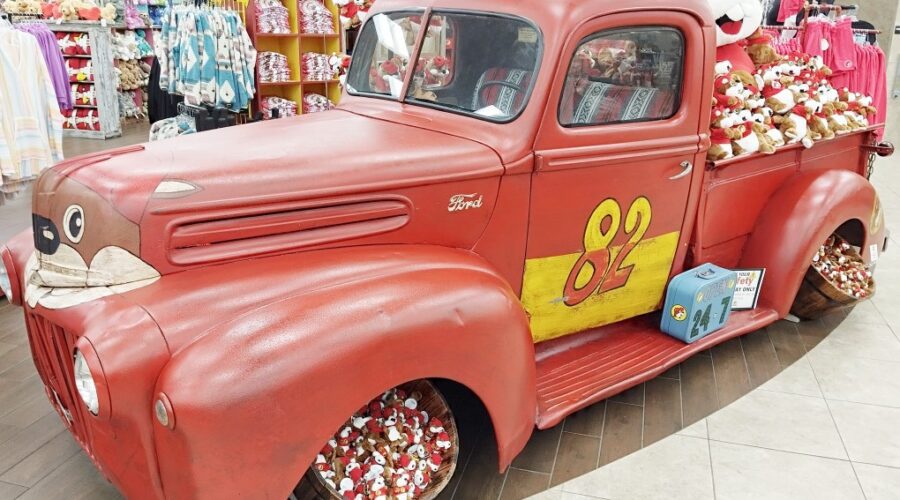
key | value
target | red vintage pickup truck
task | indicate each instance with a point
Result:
(205, 312)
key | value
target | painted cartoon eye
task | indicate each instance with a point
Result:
(73, 223)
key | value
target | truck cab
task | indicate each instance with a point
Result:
(481, 208)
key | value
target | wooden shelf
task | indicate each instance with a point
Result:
(293, 45)
(279, 84)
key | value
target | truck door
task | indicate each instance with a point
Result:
(617, 156)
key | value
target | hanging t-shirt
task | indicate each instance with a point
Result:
(788, 9)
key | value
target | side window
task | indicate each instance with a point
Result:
(624, 75)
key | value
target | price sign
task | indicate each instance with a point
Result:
(746, 291)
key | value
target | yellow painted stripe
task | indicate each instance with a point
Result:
(545, 280)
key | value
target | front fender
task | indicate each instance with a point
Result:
(257, 396)
(798, 219)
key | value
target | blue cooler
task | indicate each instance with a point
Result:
(698, 302)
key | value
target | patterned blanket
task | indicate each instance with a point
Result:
(507, 99)
(608, 103)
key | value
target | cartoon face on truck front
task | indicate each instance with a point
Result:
(84, 248)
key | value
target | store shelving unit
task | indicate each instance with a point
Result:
(293, 45)
(101, 58)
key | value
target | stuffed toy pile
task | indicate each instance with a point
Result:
(80, 70)
(389, 449)
(30, 7)
(132, 74)
(81, 119)
(839, 263)
(763, 100)
(83, 94)
(74, 44)
(353, 12)
(78, 10)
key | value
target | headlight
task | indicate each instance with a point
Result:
(84, 382)
(5, 283)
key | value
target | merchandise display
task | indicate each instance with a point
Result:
(306, 60)
(30, 121)
(284, 107)
(316, 103)
(273, 67)
(315, 18)
(505, 217)
(93, 77)
(396, 446)
(56, 66)
(206, 56)
(316, 67)
(272, 17)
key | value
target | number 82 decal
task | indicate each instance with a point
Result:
(600, 265)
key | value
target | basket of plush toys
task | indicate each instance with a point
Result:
(837, 278)
(787, 100)
(402, 445)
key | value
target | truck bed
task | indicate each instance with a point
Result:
(736, 190)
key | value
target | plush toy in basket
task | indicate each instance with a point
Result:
(402, 445)
(837, 278)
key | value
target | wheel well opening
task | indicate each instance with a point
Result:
(853, 231)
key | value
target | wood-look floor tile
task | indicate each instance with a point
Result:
(588, 421)
(577, 455)
(27, 411)
(19, 371)
(833, 319)
(10, 491)
(40, 463)
(621, 432)
(786, 340)
(732, 379)
(662, 409)
(540, 452)
(633, 396)
(762, 362)
(75, 478)
(698, 389)
(812, 333)
(673, 373)
(522, 484)
(29, 439)
(480, 478)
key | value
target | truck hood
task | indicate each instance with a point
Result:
(109, 220)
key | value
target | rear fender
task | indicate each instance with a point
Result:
(798, 219)
(257, 397)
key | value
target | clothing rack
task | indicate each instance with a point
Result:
(778, 27)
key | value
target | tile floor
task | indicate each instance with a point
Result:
(792, 411)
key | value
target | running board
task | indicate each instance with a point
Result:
(575, 372)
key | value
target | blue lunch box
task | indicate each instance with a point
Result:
(698, 302)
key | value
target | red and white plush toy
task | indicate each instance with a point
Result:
(736, 20)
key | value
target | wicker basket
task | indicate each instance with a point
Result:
(430, 400)
(818, 296)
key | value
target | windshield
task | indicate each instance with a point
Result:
(478, 64)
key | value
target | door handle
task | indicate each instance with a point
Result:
(686, 168)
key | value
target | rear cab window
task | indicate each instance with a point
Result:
(624, 75)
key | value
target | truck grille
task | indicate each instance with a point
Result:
(52, 348)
